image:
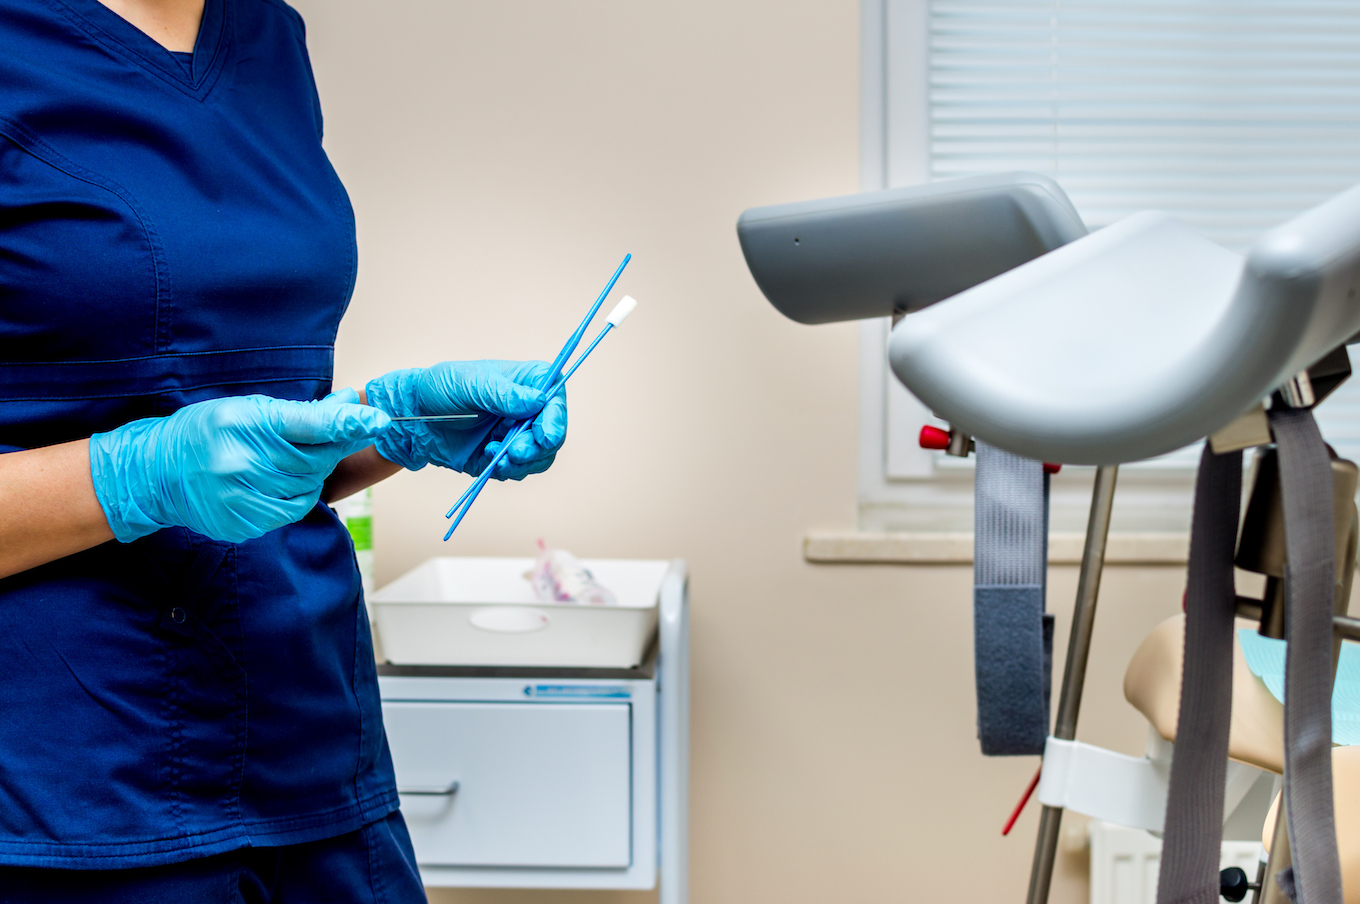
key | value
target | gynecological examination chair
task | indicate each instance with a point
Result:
(1040, 342)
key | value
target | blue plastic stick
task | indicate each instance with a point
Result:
(570, 348)
(555, 369)
(472, 492)
(524, 425)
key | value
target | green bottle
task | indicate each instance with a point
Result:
(356, 512)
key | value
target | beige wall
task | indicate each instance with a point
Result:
(502, 156)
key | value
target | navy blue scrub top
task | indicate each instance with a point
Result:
(171, 231)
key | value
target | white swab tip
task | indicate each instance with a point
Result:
(621, 311)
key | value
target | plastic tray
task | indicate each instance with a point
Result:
(475, 611)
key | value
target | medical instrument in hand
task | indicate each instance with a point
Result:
(479, 435)
(1041, 342)
(496, 391)
(616, 317)
(489, 389)
(555, 369)
(570, 348)
(438, 417)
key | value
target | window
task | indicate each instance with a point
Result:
(1231, 114)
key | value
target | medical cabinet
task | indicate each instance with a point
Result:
(530, 776)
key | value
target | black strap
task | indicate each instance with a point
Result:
(1012, 635)
(1310, 581)
(1193, 839)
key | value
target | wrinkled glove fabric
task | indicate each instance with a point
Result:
(502, 392)
(230, 469)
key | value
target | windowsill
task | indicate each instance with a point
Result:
(940, 548)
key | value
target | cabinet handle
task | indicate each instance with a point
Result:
(431, 790)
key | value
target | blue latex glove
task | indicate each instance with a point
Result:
(494, 389)
(230, 469)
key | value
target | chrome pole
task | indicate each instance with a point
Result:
(1074, 675)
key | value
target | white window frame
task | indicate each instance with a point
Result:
(906, 31)
(903, 487)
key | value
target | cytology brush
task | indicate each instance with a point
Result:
(570, 348)
(567, 351)
(616, 318)
(555, 369)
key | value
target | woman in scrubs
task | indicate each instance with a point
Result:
(189, 698)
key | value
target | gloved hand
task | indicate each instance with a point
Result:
(494, 389)
(231, 469)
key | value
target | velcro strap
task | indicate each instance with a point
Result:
(1012, 635)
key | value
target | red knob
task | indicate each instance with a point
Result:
(1051, 468)
(933, 438)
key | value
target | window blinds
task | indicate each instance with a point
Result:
(1234, 116)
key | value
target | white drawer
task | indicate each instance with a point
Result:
(539, 784)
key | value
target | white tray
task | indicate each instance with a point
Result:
(469, 611)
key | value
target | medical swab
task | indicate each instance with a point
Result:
(555, 369)
(570, 348)
(616, 317)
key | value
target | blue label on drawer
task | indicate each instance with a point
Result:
(577, 691)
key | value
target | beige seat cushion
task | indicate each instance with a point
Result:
(1346, 791)
(1152, 684)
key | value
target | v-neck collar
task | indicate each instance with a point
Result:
(135, 45)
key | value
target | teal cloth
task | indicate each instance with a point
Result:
(1265, 658)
